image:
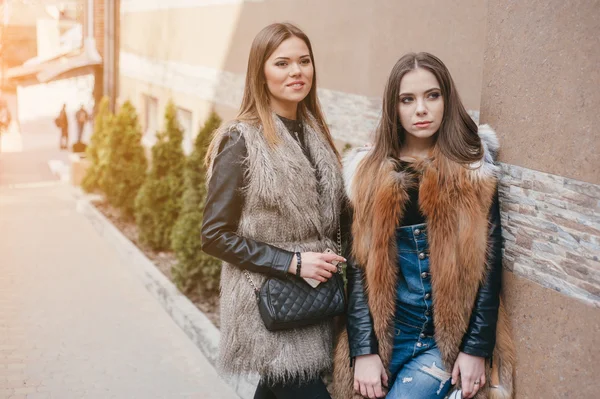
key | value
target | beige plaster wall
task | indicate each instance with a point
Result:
(356, 42)
(540, 88)
(557, 341)
(197, 36)
(134, 91)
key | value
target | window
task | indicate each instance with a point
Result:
(184, 117)
(150, 120)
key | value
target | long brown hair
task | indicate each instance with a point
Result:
(457, 136)
(255, 108)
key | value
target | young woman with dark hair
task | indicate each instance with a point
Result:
(275, 191)
(424, 272)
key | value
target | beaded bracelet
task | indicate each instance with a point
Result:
(298, 264)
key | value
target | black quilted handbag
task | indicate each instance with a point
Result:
(290, 302)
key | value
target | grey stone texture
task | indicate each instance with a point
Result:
(551, 227)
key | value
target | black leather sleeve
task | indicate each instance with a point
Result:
(480, 337)
(359, 323)
(223, 210)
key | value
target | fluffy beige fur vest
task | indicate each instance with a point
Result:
(455, 201)
(287, 206)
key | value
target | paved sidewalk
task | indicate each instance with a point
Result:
(24, 155)
(74, 323)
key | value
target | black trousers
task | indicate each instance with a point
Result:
(314, 389)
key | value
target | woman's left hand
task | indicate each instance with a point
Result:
(472, 374)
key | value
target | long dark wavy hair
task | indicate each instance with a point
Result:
(457, 136)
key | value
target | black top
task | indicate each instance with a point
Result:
(296, 128)
(412, 211)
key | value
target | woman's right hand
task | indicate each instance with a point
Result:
(316, 265)
(369, 376)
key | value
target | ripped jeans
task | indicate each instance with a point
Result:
(416, 367)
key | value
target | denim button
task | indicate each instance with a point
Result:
(419, 344)
(417, 232)
(428, 313)
(422, 335)
(422, 255)
(427, 296)
(424, 275)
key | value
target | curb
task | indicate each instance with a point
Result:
(184, 313)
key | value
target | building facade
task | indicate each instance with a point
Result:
(196, 51)
(529, 69)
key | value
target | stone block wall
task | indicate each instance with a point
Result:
(552, 231)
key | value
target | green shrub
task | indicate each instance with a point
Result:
(195, 269)
(158, 202)
(127, 164)
(97, 150)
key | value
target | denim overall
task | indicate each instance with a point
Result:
(416, 366)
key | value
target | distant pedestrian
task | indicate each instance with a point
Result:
(5, 117)
(63, 124)
(81, 116)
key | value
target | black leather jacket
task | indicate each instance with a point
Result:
(480, 338)
(223, 209)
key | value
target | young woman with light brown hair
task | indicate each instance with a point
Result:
(424, 272)
(275, 192)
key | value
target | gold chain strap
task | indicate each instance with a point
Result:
(339, 243)
(250, 280)
(254, 287)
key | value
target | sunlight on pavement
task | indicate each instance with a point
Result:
(11, 141)
(60, 169)
(39, 184)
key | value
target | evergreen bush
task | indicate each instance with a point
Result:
(127, 164)
(158, 202)
(97, 151)
(195, 269)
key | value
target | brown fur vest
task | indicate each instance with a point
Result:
(455, 201)
(288, 207)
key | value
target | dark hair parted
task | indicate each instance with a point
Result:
(255, 107)
(457, 136)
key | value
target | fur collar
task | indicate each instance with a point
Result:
(489, 141)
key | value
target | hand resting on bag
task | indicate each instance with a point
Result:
(316, 265)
